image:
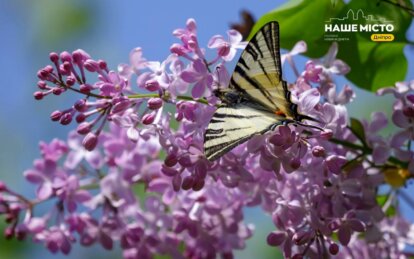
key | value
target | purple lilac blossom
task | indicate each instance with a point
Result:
(157, 194)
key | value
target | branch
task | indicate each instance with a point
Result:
(399, 5)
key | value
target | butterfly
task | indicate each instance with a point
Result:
(257, 99)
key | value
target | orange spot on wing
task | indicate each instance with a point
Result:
(280, 113)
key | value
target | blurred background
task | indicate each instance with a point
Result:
(107, 30)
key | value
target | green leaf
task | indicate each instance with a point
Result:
(61, 21)
(358, 129)
(373, 64)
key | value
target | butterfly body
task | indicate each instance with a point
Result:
(256, 100)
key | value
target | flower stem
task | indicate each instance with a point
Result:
(367, 150)
(179, 97)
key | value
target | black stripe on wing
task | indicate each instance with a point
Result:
(216, 151)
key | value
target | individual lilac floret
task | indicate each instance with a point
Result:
(189, 45)
(199, 75)
(300, 47)
(312, 72)
(331, 65)
(227, 49)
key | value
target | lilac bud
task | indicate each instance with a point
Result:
(148, 118)
(152, 85)
(295, 163)
(297, 256)
(90, 141)
(56, 115)
(408, 111)
(200, 170)
(70, 80)
(65, 56)
(318, 151)
(91, 65)
(80, 105)
(410, 97)
(84, 128)
(77, 56)
(65, 68)
(185, 161)
(85, 88)
(121, 106)
(171, 160)
(181, 226)
(154, 103)
(42, 85)
(106, 241)
(38, 95)
(176, 182)
(57, 90)
(168, 171)
(333, 249)
(81, 117)
(42, 74)
(198, 184)
(54, 57)
(66, 118)
(102, 64)
(188, 183)
(276, 238)
(227, 255)
(48, 69)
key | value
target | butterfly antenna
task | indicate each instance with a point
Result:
(305, 117)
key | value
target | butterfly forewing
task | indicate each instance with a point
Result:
(259, 71)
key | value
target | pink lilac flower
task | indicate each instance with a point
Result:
(227, 49)
(320, 187)
(331, 65)
(199, 75)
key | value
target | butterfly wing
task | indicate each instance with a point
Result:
(265, 97)
(258, 73)
(231, 126)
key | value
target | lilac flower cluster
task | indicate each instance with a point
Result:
(142, 181)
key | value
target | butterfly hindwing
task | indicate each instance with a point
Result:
(231, 126)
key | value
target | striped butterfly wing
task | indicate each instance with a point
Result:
(231, 126)
(258, 74)
(265, 103)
